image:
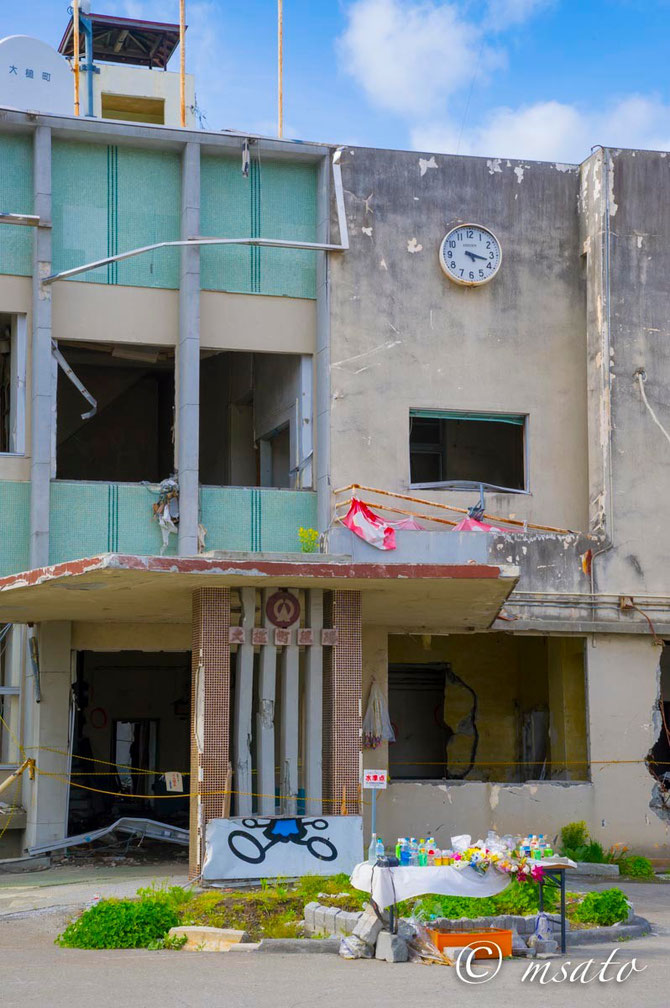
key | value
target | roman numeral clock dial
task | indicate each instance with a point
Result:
(470, 255)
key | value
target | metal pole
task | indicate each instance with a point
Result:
(280, 68)
(75, 60)
(373, 817)
(182, 64)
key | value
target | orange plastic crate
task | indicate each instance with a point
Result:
(459, 939)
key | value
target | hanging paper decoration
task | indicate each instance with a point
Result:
(369, 526)
(407, 525)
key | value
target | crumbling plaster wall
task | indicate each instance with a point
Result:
(625, 214)
(622, 676)
(403, 335)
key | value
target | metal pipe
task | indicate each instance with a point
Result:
(182, 63)
(90, 69)
(280, 68)
(75, 59)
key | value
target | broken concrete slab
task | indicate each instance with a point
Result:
(208, 939)
(290, 945)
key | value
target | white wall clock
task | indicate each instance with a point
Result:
(470, 255)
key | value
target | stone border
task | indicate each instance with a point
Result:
(329, 921)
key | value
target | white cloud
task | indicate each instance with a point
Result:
(552, 131)
(409, 57)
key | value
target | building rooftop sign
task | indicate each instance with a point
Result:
(33, 77)
(127, 40)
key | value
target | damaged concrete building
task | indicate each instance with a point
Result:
(316, 350)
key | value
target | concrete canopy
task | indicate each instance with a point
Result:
(117, 588)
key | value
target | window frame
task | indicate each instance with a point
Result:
(468, 486)
(18, 374)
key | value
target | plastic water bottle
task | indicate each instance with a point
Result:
(372, 850)
(405, 853)
(380, 848)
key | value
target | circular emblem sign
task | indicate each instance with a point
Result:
(283, 609)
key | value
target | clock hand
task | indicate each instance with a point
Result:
(473, 256)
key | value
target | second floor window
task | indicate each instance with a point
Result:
(455, 449)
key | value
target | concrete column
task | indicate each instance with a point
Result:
(342, 677)
(322, 359)
(187, 365)
(45, 798)
(42, 399)
(313, 755)
(567, 709)
(244, 692)
(265, 724)
(210, 721)
(305, 433)
(289, 677)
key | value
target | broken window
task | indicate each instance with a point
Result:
(130, 437)
(249, 419)
(448, 448)
(12, 383)
(133, 108)
(487, 707)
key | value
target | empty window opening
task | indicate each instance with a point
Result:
(12, 383)
(130, 438)
(250, 419)
(487, 707)
(132, 713)
(461, 448)
(133, 108)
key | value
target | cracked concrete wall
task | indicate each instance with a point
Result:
(403, 335)
(622, 683)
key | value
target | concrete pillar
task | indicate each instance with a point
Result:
(322, 358)
(567, 708)
(313, 755)
(623, 679)
(265, 724)
(187, 365)
(46, 797)
(42, 399)
(210, 721)
(244, 692)
(289, 678)
(305, 433)
(342, 675)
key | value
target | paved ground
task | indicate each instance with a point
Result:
(37, 973)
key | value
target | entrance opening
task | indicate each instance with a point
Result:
(12, 383)
(488, 707)
(130, 438)
(132, 726)
(250, 419)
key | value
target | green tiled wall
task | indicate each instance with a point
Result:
(109, 199)
(15, 537)
(92, 518)
(255, 520)
(16, 196)
(277, 200)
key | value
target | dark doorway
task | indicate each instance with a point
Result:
(416, 707)
(132, 726)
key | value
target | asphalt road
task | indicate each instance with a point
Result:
(35, 972)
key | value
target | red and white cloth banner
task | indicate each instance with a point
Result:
(369, 526)
(472, 525)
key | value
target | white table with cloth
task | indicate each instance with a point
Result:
(393, 885)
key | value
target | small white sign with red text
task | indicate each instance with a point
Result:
(375, 779)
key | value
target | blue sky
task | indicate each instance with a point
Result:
(510, 78)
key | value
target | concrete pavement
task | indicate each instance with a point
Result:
(36, 973)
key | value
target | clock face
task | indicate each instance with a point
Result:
(470, 255)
